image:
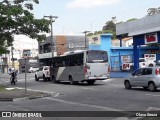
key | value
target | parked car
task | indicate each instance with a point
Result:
(148, 78)
(144, 63)
(43, 73)
(33, 69)
(158, 63)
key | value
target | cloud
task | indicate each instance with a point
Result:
(90, 3)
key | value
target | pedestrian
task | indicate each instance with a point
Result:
(13, 77)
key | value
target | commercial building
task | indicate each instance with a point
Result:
(145, 32)
(143, 35)
(61, 44)
(21, 44)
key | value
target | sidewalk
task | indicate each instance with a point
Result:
(4, 75)
(15, 94)
(118, 74)
(19, 94)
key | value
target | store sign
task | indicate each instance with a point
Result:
(151, 38)
(26, 53)
(125, 58)
(45, 55)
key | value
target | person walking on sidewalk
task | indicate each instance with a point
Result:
(13, 77)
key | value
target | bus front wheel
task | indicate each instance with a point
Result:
(91, 82)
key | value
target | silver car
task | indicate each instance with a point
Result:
(148, 78)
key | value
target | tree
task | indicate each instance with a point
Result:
(153, 11)
(110, 27)
(16, 18)
(97, 32)
(89, 34)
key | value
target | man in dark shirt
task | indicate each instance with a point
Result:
(13, 77)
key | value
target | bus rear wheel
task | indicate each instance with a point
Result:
(91, 82)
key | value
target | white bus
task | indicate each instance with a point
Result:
(82, 66)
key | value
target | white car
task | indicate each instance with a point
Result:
(144, 63)
(33, 69)
(147, 77)
(43, 73)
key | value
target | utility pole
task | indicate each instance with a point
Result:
(51, 21)
(12, 59)
(85, 33)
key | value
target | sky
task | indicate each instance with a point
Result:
(77, 16)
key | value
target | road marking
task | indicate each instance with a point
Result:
(107, 80)
(86, 88)
(37, 90)
(56, 95)
(42, 91)
(153, 108)
(121, 118)
(81, 104)
(153, 95)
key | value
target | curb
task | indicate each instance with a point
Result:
(24, 98)
(6, 99)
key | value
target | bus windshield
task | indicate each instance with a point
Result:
(97, 57)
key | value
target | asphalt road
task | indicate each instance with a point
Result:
(108, 95)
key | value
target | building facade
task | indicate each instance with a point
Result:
(145, 32)
(21, 44)
(61, 44)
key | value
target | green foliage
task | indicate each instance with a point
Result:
(2, 88)
(16, 18)
(112, 32)
(110, 27)
(89, 34)
(97, 32)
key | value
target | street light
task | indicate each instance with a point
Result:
(85, 33)
(51, 21)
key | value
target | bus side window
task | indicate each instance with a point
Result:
(60, 63)
(66, 62)
(74, 62)
(50, 63)
(63, 63)
(53, 64)
(81, 61)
